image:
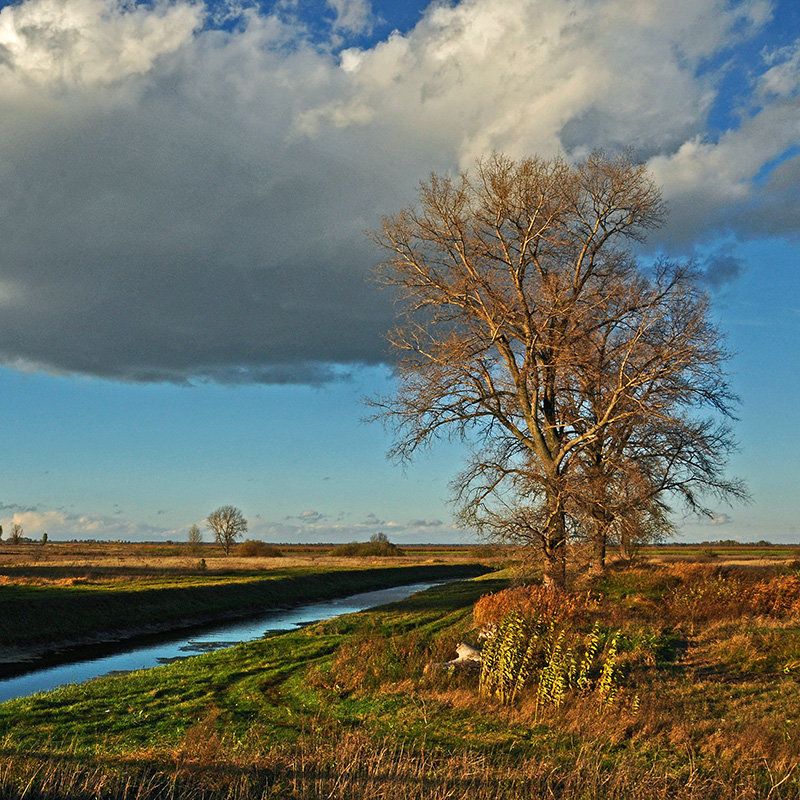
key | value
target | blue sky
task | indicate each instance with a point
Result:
(185, 318)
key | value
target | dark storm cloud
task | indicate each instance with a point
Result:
(721, 268)
(145, 248)
(179, 203)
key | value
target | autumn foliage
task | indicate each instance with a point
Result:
(536, 601)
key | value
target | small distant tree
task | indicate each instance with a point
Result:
(195, 538)
(227, 524)
(15, 537)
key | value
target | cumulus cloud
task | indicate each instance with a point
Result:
(83, 43)
(183, 201)
(59, 524)
(353, 16)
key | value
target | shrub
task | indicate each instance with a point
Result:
(378, 545)
(255, 548)
(486, 551)
(533, 602)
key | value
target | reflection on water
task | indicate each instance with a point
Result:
(187, 645)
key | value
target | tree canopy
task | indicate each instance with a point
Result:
(528, 328)
(227, 523)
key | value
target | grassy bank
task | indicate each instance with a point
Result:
(49, 615)
(707, 689)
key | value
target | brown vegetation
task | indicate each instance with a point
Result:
(356, 766)
(528, 329)
(253, 548)
(378, 545)
(707, 660)
(534, 601)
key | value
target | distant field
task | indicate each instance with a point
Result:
(157, 557)
(729, 553)
(56, 561)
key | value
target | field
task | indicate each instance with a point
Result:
(59, 596)
(678, 677)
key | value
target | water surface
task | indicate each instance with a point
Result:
(185, 645)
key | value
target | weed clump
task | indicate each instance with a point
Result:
(552, 655)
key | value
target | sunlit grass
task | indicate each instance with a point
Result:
(707, 708)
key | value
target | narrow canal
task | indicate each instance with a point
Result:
(186, 645)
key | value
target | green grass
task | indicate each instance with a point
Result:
(48, 614)
(344, 709)
(259, 683)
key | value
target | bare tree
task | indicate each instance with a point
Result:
(15, 537)
(227, 524)
(658, 447)
(528, 328)
(195, 539)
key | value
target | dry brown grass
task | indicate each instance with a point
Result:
(534, 601)
(68, 563)
(355, 766)
(707, 594)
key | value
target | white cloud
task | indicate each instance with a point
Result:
(523, 76)
(64, 525)
(352, 16)
(720, 519)
(85, 43)
(783, 77)
(181, 202)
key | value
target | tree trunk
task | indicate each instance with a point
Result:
(555, 572)
(626, 547)
(555, 552)
(598, 539)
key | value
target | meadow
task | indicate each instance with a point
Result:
(675, 677)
